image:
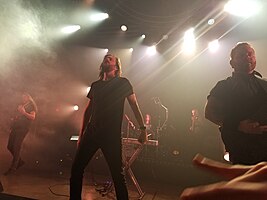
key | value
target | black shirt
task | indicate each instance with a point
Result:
(107, 99)
(243, 97)
(21, 121)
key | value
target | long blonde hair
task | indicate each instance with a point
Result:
(118, 64)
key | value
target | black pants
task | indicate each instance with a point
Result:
(15, 140)
(112, 150)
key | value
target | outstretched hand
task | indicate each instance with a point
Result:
(248, 182)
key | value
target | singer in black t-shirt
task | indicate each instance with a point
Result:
(101, 127)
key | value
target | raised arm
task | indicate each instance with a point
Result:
(30, 116)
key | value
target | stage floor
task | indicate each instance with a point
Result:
(45, 175)
(51, 182)
(45, 186)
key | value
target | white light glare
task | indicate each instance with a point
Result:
(70, 29)
(75, 107)
(189, 41)
(211, 21)
(99, 17)
(143, 36)
(151, 50)
(242, 8)
(226, 156)
(88, 89)
(131, 49)
(214, 46)
(106, 50)
(124, 28)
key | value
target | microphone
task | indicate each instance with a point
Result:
(129, 121)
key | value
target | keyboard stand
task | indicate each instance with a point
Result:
(127, 167)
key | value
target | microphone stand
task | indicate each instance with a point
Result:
(160, 127)
(129, 124)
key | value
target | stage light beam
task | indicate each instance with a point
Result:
(189, 43)
(214, 46)
(98, 17)
(242, 8)
(151, 50)
(70, 29)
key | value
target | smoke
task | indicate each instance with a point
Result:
(18, 27)
(29, 57)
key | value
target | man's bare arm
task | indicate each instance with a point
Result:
(138, 115)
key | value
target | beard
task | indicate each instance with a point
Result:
(108, 68)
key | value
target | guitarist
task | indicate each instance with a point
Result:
(236, 105)
(21, 124)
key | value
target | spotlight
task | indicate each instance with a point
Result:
(75, 107)
(242, 8)
(70, 29)
(124, 28)
(131, 49)
(99, 17)
(165, 37)
(151, 50)
(143, 36)
(189, 41)
(211, 21)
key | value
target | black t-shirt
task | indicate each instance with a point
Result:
(243, 97)
(21, 121)
(107, 99)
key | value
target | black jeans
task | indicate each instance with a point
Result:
(112, 150)
(15, 140)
